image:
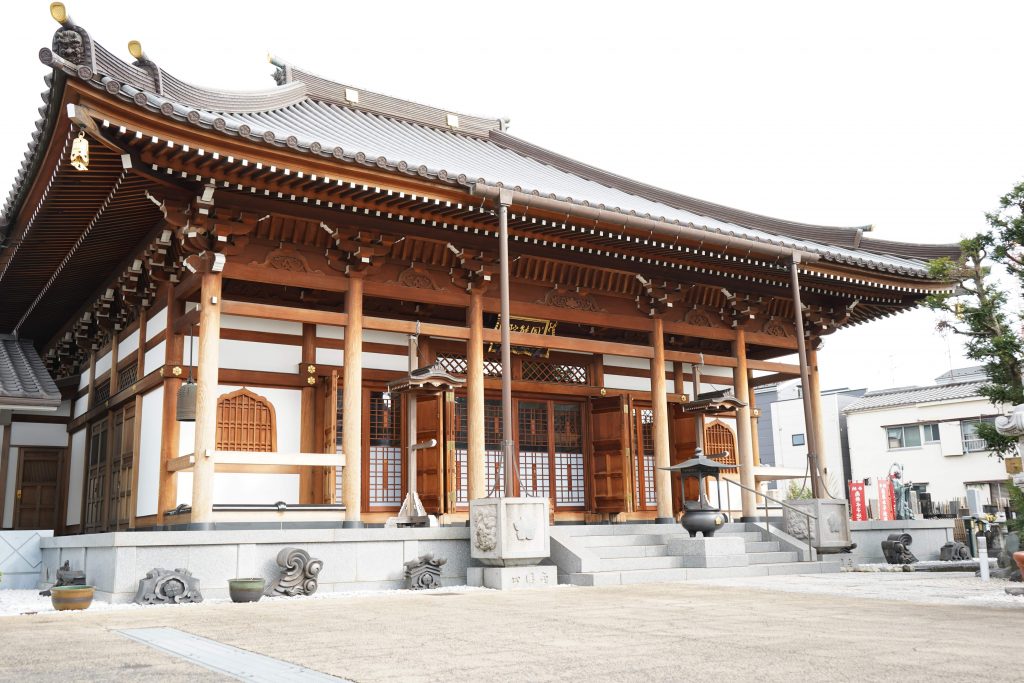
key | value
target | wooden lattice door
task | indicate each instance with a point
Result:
(610, 454)
(38, 481)
(96, 477)
(644, 493)
(246, 422)
(122, 453)
(719, 438)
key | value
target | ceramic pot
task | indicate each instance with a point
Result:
(704, 521)
(71, 597)
(1018, 557)
(246, 590)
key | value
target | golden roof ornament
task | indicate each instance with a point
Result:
(80, 152)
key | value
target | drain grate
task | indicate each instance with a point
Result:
(225, 659)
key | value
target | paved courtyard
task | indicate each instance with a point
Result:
(773, 628)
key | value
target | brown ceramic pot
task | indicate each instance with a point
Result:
(1018, 557)
(71, 597)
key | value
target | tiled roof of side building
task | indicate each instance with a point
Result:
(905, 396)
(314, 115)
(24, 381)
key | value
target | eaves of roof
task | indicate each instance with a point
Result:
(894, 398)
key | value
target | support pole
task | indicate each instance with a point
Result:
(659, 405)
(476, 475)
(507, 445)
(819, 424)
(745, 457)
(410, 414)
(352, 404)
(207, 371)
(805, 382)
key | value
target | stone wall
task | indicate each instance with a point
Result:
(20, 558)
(928, 536)
(354, 559)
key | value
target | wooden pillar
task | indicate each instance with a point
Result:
(754, 413)
(744, 443)
(92, 381)
(207, 371)
(5, 458)
(113, 363)
(310, 490)
(659, 403)
(352, 404)
(679, 379)
(169, 428)
(819, 421)
(476, 464)
(140, 357)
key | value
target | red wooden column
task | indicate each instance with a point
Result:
(207, 372)
(352, 403)
(745, 456)
(659, 404)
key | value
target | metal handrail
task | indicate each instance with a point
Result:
(808, 515)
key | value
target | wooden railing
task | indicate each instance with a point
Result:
(257, 459)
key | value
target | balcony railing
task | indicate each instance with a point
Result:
(975, 444)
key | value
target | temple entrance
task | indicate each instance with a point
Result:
(38, 479)
(642, 419)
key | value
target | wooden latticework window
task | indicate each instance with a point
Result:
(643, 463)
(457, 363)
(246, 422)
(102, 392)
(568, 434)
(534, 467)
(492, 448)
(549, 371)
(385, 452)
(122, 451)
(127, 376)
(717, 438)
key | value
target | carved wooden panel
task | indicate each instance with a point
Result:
(246, 422)
(719, 437)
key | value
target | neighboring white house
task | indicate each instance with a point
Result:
(789, 434)
(930, 431)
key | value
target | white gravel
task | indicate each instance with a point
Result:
(16, 602)
(933, 588)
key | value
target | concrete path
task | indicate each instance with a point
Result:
(621, 633)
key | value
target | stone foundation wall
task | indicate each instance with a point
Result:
(354, 559)
(20, 558)
(928, 536)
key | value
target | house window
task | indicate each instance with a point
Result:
(931, 432)
(903, 436)
(969, 431)
(799, 440)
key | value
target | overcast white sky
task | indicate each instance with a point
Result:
(907, 115)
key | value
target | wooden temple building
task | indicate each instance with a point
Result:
(272, 251)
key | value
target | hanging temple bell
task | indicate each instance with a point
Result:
(80, 152)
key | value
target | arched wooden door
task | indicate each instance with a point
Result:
(246, 422)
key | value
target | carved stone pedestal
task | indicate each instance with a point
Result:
(512, 578)
(709, 552)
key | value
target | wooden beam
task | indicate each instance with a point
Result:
(287, 313)
(772, 366)
(254, 459)
(285, 278)
(771, 379)
(186, 323)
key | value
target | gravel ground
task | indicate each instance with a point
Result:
(841, 627)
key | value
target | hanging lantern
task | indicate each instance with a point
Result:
(80, 152)
(187, 402)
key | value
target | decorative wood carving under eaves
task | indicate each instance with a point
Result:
(287, 258)
(703, 316)
(573, 300)
(417, 277)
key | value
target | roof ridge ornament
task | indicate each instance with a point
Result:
(147, 64)
(283, 74)
(72, 42)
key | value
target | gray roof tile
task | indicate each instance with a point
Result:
(903, 396)
(24, 381)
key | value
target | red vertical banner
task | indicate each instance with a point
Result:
(886, 500)
(858, 502)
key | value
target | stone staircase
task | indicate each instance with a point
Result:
(612, 554)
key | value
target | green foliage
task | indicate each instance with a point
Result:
(1017, 505)
(797, 490)
(977, 308)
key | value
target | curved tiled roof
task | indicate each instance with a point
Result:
(313, 115)
(24, 381)
(904, 396)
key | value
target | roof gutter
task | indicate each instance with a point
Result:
(663, 229)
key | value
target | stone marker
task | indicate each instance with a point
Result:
(165, 586)
(424, 572)
(298, 573)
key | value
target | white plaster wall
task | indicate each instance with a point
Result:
(385, 361)
(788, 419)
(76, 476)
(37, 434)
(626, 362)
(81, 405)
(156, 324)
(148, 493)
(154, 358)
(12, 477)
(252, 488)
(83, 379)
(627, 383)
(259, 356)
(330, 356)
(237, 322)
(944, 474)
(102, 364)
(128, 346)
(330, 331)
(379, 337)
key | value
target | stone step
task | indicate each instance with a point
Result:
(612, 551)
(745, 535)
(613, 564)
(619, 529)
(622, 540)
(614, 578)
(762, 546)
(773, 557)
